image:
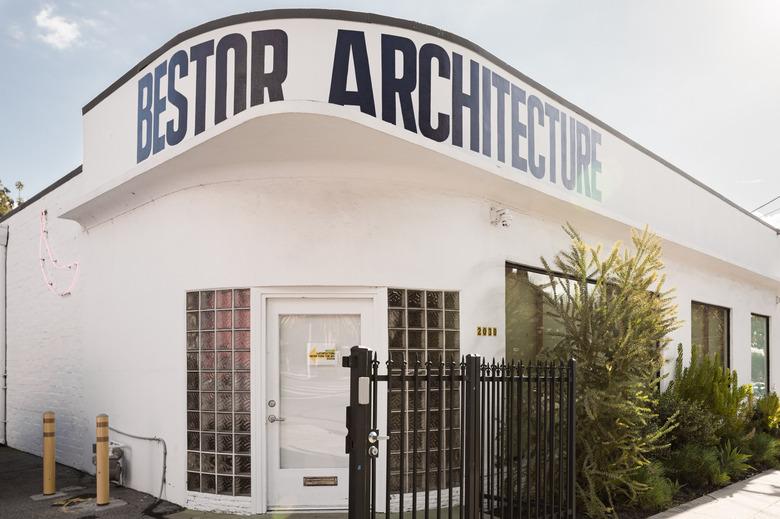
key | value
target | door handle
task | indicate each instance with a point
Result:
(273, 418)
(374, 437)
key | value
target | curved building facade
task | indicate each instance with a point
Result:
(267, 190)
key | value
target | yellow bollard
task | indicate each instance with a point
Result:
(101, 459)
(49, 454)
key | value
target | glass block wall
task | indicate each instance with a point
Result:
(423, 325)
(218, 392)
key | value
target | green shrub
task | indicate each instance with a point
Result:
(697, 467)
(659, 491)
(767, 413)
(732, 461)
(764, 449)
(695, 423)
(615, 317)
(705, 380)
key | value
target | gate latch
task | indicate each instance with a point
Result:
(373, 440)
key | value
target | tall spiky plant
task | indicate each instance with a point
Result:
(707, 381)
(616, 317)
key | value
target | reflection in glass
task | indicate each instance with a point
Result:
(530, 326)
(312, 385)
(759, 353)
(710, 329)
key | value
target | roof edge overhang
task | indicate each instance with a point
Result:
(373, 150)
(363, 17)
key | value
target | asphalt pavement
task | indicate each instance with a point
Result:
(21, 477)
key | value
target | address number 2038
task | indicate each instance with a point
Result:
(487, 331)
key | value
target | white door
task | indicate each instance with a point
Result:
(306, 395)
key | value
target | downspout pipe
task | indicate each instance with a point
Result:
(3, 334)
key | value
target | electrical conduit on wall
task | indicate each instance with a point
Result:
(3, 334)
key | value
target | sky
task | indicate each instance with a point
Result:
(697, 82)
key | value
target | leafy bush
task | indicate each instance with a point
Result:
(616, 316)
(767, 413)
(732, 461)
(659, 491)
(695, 423)
(764, 449)
(697, 467)
(706, 381)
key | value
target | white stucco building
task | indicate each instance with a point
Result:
(268, 189)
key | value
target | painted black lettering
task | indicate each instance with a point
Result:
(199, 54)
(352, 43)
(595, 165)
(502, 89)
(583, 158)
(402, 86)
(158, 141)
(180, 61)
(428, 52)
(461, 100)
(271, 80)
(567, 166)
(519, 129)
(553, 116)
(237, 43)
(144, 118)
(486, 112)
(535, 115)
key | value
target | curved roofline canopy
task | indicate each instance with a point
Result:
(362, 17)
(351, 16)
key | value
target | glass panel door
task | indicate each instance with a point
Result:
(313, 386)
(307, 392)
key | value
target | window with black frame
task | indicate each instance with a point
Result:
(710, 329)
(531, 326)
(759, 353)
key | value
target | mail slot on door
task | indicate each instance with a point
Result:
(321, 481)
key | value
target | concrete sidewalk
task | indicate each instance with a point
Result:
(754, 498)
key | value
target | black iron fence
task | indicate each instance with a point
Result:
(463, 440)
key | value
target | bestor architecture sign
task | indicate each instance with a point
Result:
(419, 83)
(413, 82)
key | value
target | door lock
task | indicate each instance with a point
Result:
(374, 437)
(273, 418)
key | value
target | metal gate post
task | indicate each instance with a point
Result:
(473, 441)
(358, 427)
(572, 418)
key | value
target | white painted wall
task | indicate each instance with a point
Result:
(117, 345)
(46, 349)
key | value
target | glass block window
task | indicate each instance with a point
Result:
(218, 392)
(424, 326)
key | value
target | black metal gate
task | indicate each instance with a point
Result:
(466, 440)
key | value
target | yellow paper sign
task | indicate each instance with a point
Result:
(321, 354)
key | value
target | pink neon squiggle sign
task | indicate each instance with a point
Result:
(43, 243)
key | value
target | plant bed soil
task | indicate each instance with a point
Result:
(683, 496)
